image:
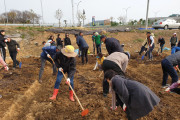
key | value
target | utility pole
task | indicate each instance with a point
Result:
(72, 12)
(6, 12)
(126, 9)
(42, 12)
(147, 14)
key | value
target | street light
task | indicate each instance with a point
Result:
(42, 12)
(126, 9)
(5, 11)
(147, 14)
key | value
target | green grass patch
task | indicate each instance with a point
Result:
(138, 40)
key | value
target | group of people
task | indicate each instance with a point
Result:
(13, 48)
(136, 99)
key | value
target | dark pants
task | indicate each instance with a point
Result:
(172, 45)
(13, 55)
(107, 65)
(94, 48)
(168, 69)
(162, 46)
(150, 52)
(43, 61)
(84, 54)
(3, 53)
(98, 47)
(142, 50)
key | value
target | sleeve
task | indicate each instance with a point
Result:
(152, 40)
(108, 48)
(45, 49)
(124, 66)
(2, 43)
(77, 41)
(72, 68)
(170, 39)
(18, 46)
(56, 60)
(121, 90)
(69, 41)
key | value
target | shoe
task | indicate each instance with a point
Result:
(104, 94)
(54, 94)
(71, 95)
(165, 86)
(40, 81)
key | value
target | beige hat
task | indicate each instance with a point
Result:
(69, 51)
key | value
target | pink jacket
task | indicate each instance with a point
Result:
(2, 61)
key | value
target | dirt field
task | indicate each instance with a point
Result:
(24, 98)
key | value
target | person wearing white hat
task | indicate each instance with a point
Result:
(173, 40)
(65, 61)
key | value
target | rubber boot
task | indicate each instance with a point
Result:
(71, 95)
(54, 94)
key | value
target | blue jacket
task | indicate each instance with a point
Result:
(51, 50)
(175, 49)
(81, 42)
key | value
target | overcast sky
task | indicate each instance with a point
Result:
(101, 9)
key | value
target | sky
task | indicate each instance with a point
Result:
(101, 9)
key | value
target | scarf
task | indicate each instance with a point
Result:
(113, 95)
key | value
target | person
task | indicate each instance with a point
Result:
(98, 42)
(59, 41)
(13, 47)
(66, 62)
(173, 86)
(112, 44)
(2, 44)
(150, 43)
(161, 43)
(144, 47)
(168, 68)
(137, 100)
(99, 61)
(173, 40)
(175, 49)
(3, 63)
(93, 39)
(67, 40)
(116, 61)
(178, 45)
(51, 40)
(48, 54)
(83, 46)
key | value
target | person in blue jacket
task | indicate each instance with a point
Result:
(83, 46)
(48, 53)
(175, 49)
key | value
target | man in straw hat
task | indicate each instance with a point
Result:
(66, 62)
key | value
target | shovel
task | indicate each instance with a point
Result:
(20, 63)
(142, 58)
(84, 111)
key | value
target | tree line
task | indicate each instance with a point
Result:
(23, 17)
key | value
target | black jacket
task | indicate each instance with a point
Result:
(68, 64)
(161, 41)
(12, 45)
(139, 99)
(59, 42)
(113, 45)
(2, 43)
(67, 41)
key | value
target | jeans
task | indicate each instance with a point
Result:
(168, 69)
(150, 52)
(59, 79)
(43, 61)
(172, 45)
(175, 49)
(13, 55)
(84, 54)
(162, 46)
(98, 47)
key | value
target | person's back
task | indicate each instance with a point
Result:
(81, 42)
(173, 40)
(161, 41)
(174, 59)
(51, 50)
(59, 42)
(113, 45)
(67, 41)
(97, 39)
(12, 45)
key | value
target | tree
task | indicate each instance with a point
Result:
(58, 16)
(122, 20)
(65, 22)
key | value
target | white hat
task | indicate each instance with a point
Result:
(174, 33)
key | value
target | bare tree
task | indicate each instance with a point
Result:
(79, 14)
(65, 22)
(121, 19)
(58, 16)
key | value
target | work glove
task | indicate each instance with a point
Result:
(167, 89)
(6, 68)
(48, 56)
(18, 49)
(5, 40)
(60, 69)
(68, 81)
(5, 48)
(124, 107)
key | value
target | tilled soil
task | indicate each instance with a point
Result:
(24, 98)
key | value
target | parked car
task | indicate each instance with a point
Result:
(166, 24)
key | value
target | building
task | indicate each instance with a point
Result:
(106, 22)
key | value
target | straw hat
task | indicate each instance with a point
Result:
(69, 51)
